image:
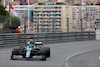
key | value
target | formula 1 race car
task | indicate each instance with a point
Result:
(33, 50)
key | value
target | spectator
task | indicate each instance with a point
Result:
(18, 30)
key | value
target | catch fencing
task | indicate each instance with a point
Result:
(22, 38)
(10, 24)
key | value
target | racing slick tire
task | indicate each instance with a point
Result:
(14, 52)
(47, 51)
(21, 49)
(43, 52)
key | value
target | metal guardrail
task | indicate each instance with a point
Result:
(22, 38)
(8, 39)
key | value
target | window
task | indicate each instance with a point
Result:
(35, 18)
(35, 7)
(50, 7)
(60, 7)
(40, 18)
(47, 7)
(44, 24)
(59, 11)
(55, 11)
(43, 7)
(41, 25)
(56, 7)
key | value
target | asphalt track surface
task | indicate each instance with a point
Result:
(59, 53)
(88, 59)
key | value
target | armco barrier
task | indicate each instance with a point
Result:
(8, 39)
(21, 39)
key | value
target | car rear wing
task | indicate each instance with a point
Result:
(39, 42)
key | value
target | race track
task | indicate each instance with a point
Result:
(88, 59)
(59, 53)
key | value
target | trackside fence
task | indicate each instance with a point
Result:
(22, 38)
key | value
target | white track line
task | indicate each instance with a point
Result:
(75, 55)
(5, 51)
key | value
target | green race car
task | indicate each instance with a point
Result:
(32, 50)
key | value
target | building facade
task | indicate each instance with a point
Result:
(64, 17)
(51, 17)
(90, 16)
(59, 18)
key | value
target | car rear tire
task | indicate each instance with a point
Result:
(47, 51)
(43, 52)
(22, 51)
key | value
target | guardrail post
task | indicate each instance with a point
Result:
(60, 37)
(2, 40)
(83, 35)
(37, 36)
(18, 39)
(89, 35)
(67, 35)
(75, 36)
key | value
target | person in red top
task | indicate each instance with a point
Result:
(18, 30)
